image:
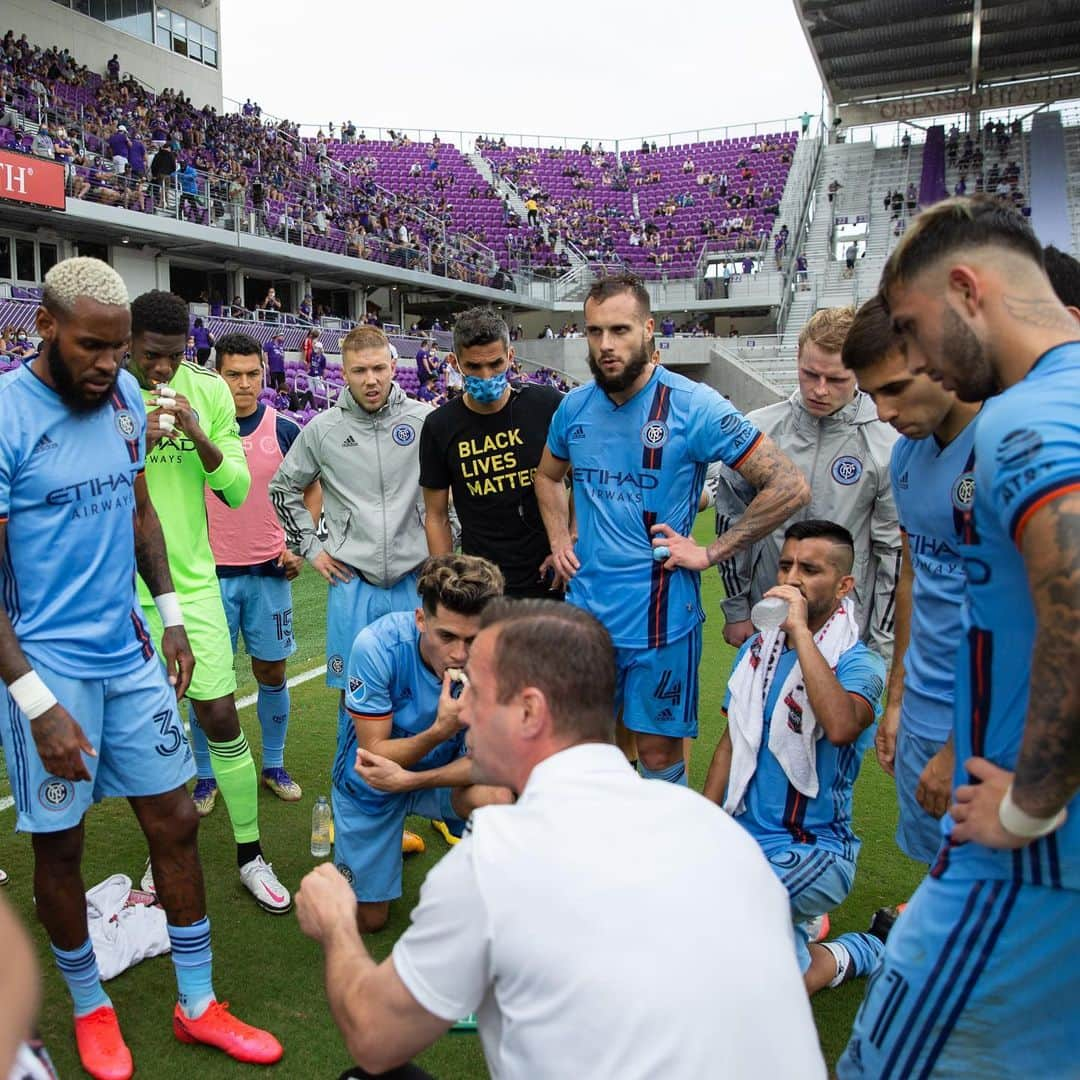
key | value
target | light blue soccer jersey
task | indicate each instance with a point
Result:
(386, 676)
(777, 814)
(636, 465)
(1027, 452)
(67, 494)
(933, 487)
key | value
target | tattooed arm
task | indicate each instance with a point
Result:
(152, 562)
(781, 490)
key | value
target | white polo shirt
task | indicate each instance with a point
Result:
(611, 926)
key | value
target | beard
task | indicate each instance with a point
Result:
(617, 383)
(75, 398)
(974, 376)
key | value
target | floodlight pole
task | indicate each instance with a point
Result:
(976, 47)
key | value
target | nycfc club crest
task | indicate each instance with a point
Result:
(125, 424)
(403, 434)
(963, 491)
(56, 794)
(846, 470)
(336, 665)
(654, 434)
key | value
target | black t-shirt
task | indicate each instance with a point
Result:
(488, 461)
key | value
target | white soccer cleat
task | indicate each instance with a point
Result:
(260, 880)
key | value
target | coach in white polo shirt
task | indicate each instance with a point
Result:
(561, 920)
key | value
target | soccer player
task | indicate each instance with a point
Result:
(484, 447)
(639, 440)
(87, 710)
(933, 486)
(400, 705)
(801, 705)
(364, 451)
(254, 568)
(832, 433)
(192, 444)
(979, 968)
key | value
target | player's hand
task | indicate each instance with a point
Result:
(332, 570)
(684, 550)
(564, 562)
(325, 903)
(550, 575)
(975, 811)
(735, 633)
(155, 430)
(292, 564)
(184, 416)
(61, 744)
(796, 616)
(885, 739)
(178, 657)
(448, 716)
(382, 773)
(935, 783)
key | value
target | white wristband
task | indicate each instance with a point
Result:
(1020, 823)
(168, 605)
(31, 695)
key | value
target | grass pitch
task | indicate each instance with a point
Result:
(272, 974)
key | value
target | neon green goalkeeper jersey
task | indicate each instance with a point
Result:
(176, 480)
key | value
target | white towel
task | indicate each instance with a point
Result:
(123, 929)
(793, 741)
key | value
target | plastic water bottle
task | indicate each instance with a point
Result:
(768, 613)
(322, 822)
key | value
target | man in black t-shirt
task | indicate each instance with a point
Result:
(484, 447)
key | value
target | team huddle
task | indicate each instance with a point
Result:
(514, 630)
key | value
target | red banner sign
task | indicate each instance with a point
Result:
(31, 180)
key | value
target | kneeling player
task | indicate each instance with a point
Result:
(801, 706)
(401, 705)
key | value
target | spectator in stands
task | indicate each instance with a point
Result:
(42, 145)
(191, 354)
(204, 342)
(850, 255)
(22, 346)
(304, 312)
(905, 143)
(271, 304)
(113, 68)
(238, 310)
(275, 361)
(119, 149)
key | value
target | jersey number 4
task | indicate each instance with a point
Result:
(668, 689)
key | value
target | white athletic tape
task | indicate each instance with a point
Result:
(166, 421)
(165, 390)
(296, 680)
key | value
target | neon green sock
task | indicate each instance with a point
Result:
(234, 770)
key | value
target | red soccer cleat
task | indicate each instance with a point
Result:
(102, 1049)
(217, 1027)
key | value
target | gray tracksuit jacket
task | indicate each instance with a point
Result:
(845, 458)
(368, 465)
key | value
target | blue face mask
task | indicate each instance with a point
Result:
(486, 391)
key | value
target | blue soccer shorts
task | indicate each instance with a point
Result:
(367, 838)
(352, 605)
(918, 834)
(657, 689)
(979, 979)
(132, 722)
(817, 881)
(260, 608)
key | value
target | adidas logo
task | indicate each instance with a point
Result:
(350, 441)
(577, 433)
(43, 444)
(902, 482)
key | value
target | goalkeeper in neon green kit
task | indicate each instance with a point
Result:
(193, 443)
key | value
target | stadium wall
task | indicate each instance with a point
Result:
(93, 43)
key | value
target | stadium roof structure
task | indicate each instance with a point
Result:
(868, 50)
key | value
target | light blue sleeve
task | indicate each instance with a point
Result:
(556, 438)
(861, 671)
(717, 430)
(368, 677)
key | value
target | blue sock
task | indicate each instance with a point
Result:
(80, 971)
(199, 747)
(192, 960)
(864, 949)
(673, 774)
(273, 710)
